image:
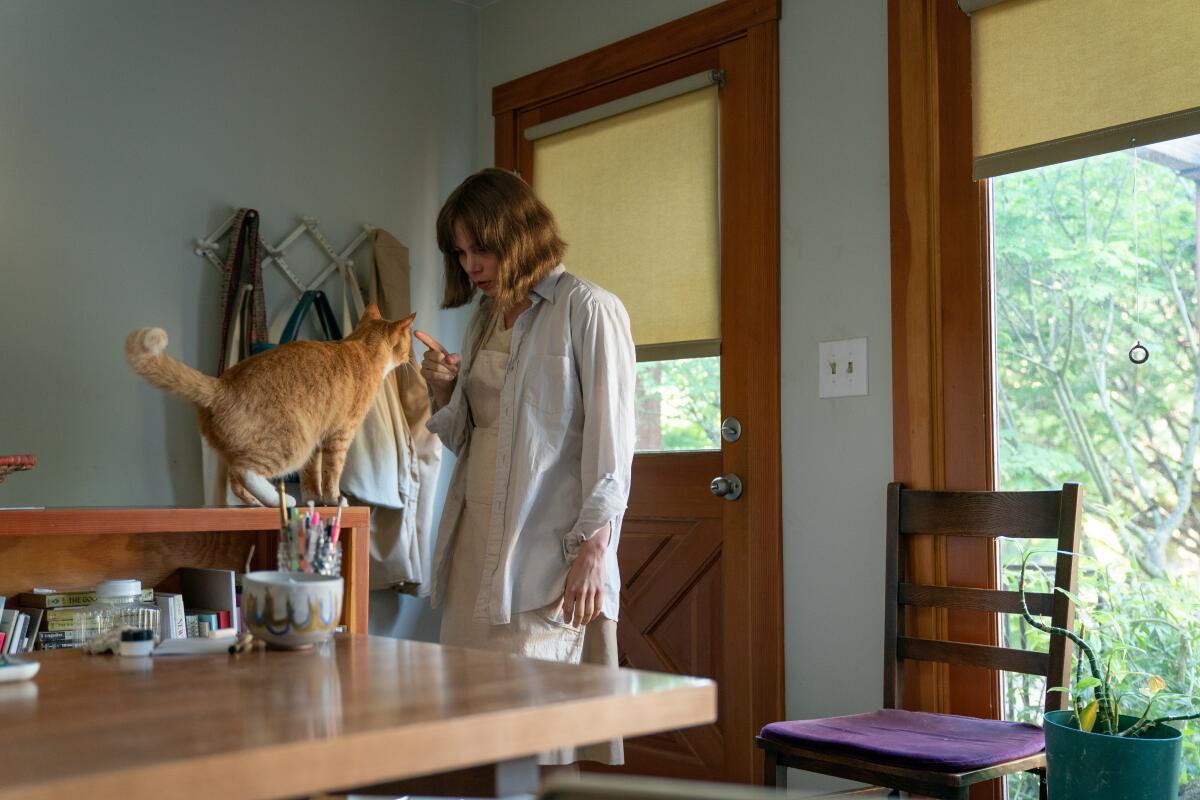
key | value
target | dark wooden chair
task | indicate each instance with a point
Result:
(933, 754)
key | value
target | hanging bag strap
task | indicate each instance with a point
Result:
(243, 267)
(313, 299)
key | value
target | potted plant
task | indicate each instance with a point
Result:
(1115, 741)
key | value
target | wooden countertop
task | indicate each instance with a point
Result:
(273, 724)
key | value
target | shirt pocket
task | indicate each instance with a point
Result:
(549, 386)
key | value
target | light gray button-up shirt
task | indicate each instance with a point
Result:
(564, 450)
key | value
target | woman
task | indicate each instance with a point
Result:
(539, 410)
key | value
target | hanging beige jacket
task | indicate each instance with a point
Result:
(401, 529)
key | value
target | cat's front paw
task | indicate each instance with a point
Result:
(289, 501)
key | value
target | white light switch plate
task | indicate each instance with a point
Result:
(843, 367)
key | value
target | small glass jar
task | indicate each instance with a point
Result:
(117, 603)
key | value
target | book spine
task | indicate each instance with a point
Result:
(64, 613)
(60, 599)
(166, 625)
(17, 640)
(60, 645)
(77, 599)
(60, 625)
(56, 636)
(177, 614)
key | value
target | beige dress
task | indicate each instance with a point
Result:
(541, 633)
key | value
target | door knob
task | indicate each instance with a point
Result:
(727, 486)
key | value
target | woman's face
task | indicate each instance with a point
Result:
(481, 266)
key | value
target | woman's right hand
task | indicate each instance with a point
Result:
(439, 368)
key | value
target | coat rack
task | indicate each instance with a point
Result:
(209, 246)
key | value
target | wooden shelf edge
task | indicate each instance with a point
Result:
(59, 521)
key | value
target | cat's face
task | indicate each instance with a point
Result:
(395, 336)
(482, 266)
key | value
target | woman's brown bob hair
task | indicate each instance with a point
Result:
(502, 215)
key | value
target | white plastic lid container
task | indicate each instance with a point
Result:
(118, 603)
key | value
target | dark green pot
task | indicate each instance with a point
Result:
(1092, 766)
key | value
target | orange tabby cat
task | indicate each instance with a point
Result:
(294, 407)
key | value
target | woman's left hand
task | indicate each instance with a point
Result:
(584, 588)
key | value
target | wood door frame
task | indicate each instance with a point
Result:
(750, 225)
(942, 371)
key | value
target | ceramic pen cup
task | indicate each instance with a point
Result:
(291, 610)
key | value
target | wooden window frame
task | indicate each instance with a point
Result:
(751, 202)
(942, 376)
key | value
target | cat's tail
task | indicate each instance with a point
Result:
(144, 352)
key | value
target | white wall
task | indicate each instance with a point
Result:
(835, 284)
(127, 130)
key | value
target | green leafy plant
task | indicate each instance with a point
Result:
(1097, 698)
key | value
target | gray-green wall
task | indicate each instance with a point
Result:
(835, 284)
(128, 129)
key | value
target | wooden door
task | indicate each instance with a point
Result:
(673, 608)
(702, 580)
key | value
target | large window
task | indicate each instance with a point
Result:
(1091, 257)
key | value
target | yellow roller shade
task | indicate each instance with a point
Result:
(1056, 80)
(635, 196)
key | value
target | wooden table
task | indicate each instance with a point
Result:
(357, 711)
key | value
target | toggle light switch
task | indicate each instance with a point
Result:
(842, 367)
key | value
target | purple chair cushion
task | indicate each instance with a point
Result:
(940, 742)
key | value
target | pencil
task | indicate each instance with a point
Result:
(337, 522)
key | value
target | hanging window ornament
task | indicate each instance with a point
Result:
(1138, 354)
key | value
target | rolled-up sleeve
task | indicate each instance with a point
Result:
(604, 352)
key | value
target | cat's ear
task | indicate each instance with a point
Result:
(371, 312)
(401, 326)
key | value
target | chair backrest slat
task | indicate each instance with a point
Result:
(1029, 662)
(1019, 515)
(914, 594)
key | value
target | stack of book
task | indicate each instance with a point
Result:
(54, 628)
(44, 619)
(18, 628)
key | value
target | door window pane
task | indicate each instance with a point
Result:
(679, 405)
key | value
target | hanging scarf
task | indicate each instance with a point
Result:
(243, 265)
